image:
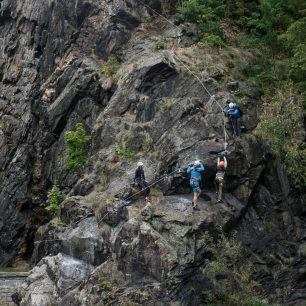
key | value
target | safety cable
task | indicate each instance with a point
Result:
(212, 97)
(192, 73)
(152, 184)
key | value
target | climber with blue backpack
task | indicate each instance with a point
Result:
(195, 170)
(235, 114)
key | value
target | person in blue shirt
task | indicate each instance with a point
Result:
(140, 180)
(234, 114)
(195, 170)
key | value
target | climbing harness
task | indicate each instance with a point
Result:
(175, 58)
(125, 201)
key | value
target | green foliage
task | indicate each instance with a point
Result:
(208, 298)
(54, 196)
(110, 66)
(147, 143)
(207, 14)
(15, 269)
(280, 126)
(213, 40)
(125, 301)
(230, 274)
(159, 44)
(168, 104)
(125, 152)
(105, 284)
(156, 5)
(274, 29)
(76, 147)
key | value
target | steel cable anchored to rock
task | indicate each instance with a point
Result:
(149, 186)
(212, 97)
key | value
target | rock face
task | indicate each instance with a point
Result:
(56, 71)
(51, 278)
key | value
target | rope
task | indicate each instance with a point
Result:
(212, 97)
(192, 73)
(152, 184)
(39, 241)
(163, 17)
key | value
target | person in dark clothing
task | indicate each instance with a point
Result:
(140, 180)
(219, 179)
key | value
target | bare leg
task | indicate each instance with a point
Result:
(195, 198)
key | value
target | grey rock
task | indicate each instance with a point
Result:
(51, 278)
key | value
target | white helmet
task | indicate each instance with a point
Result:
(140, 164)
(197, 163)
(231, 105)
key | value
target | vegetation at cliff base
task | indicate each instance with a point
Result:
(76, 147)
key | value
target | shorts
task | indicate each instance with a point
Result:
(219, 179)
(195, 186)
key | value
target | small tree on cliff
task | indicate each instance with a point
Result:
(54, 196)
(76, 147)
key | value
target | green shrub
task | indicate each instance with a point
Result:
(208, 298)
(156, 5)
(125, 152)
(230, 273)
(213, 41)
(147, 143)
(191, 9)
(159, 45)
(206, 14)
(76, 147)
(105, 284)
(168, 104)
(280, 126)
(246, 300)
(54, 196)
(110, 66)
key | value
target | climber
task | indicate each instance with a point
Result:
(195, 179)
(234, 114)
(219, 179)
(140, 180)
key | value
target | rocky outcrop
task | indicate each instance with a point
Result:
(51, 278)
(54, 72)
(153, 254)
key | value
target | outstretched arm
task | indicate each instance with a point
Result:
(190, 169)
(200, 168)
(225, 162)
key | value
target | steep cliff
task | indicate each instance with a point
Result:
(98, 62)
